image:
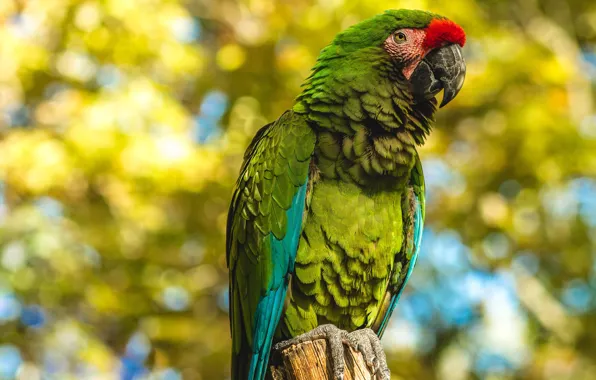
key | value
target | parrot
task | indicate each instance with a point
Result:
(325, 221)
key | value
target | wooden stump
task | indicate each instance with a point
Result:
(312, 361)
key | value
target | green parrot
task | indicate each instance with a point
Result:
(326, 219)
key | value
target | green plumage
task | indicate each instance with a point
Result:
(348, 148)
(345, 257)
(276, 164)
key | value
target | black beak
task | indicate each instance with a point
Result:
(442, 69)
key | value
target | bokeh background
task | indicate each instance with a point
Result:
(122, 127)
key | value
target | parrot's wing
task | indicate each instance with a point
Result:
(263, 230)
(413, 215)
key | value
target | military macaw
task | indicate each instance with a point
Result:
(326, 219)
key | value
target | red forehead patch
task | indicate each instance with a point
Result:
(439, 32)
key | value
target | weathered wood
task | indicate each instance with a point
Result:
(312, 361)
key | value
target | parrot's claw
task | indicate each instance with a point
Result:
(335, 338)
(368, 344)
(364, 341)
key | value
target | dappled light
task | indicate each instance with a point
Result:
(123, 125)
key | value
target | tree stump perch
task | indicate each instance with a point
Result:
(312, 361)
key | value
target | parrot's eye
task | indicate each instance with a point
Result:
(400, 37)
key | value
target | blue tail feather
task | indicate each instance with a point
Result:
(270, 306)
(418, 227)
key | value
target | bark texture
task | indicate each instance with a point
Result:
(312, 361)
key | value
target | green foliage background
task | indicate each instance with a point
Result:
(123, 124)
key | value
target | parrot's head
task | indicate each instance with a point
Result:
(427, 51)
(418, 51)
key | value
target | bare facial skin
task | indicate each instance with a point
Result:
(407, 46)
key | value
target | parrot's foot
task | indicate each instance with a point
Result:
(364, 341)
(369, 345)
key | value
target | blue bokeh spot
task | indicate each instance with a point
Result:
(33, 316)
(10, 361)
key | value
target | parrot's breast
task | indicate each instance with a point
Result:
(345, 257)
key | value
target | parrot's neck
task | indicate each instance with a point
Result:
(363, 112)
(368, 159)
(369, 152)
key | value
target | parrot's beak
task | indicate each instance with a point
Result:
(442, 69)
